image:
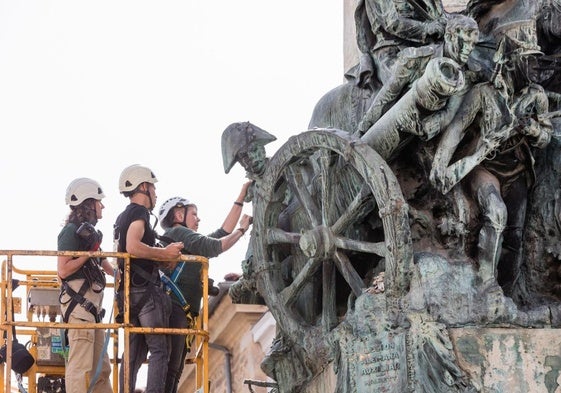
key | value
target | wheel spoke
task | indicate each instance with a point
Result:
(278, 236)
(349, 273)
(295, 181)
(378, 248)
(323, 161)
(290, 294)
(360, 205)
(329, 314)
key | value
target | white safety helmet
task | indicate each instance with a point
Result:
(168, 205)
(81, 189)
(134, 175)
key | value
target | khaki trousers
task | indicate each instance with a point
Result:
(86, 347)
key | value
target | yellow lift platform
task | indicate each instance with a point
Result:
(41, 302)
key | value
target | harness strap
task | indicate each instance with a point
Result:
(170, 282)
(142, 273)
(105, 345)
(151, 284)
(78, 298)
(171, 287)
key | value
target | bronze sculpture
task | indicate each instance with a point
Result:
(368, 244)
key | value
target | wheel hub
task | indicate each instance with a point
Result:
(318, 242)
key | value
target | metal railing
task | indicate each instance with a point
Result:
(42, 278)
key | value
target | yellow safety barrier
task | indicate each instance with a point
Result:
(47, 281)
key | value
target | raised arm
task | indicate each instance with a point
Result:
(235, 212)
(229, 240)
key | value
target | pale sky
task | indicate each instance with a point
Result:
(90, 87)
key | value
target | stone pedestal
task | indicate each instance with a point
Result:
(510, 360)
(497, 360)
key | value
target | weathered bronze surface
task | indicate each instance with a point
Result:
(424, 197)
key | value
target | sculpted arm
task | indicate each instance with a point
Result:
(408, 67)
(389, 18)
(441, 175)
(533, 111)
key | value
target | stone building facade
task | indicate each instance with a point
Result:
(240, 336)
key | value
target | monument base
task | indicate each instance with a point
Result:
(496, 360)
(509, 359)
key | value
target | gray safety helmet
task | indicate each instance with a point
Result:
(81, 189)
(134, 175)
(238, 136)
(168, 205)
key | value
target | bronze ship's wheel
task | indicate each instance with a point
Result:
(327, 212)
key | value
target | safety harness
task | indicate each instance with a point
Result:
(170, 285)
(148, 281)
(94, 279)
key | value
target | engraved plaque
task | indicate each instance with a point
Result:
(381, 364)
